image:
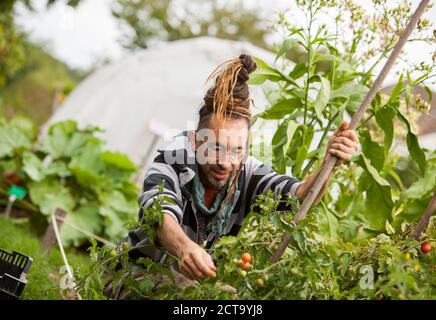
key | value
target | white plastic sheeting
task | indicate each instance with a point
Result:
(151, 91)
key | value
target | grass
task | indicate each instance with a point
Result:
(44, 275)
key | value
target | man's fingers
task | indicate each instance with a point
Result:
(344, 126)
(187, 272)
(340, 154)
(344, 148)
(194, 267)
(209, 260)
(202, 266)
(345, 141)
(350, 134)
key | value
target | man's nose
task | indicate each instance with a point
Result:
(224, 161)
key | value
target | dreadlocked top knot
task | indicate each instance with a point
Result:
(230, 95)
(249, 66)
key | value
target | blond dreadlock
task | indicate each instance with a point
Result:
(230, 95)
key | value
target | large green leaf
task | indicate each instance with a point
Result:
(423, 186)
(328, 223)
(33, 166)
(265, 72)
(87, 165)
(384, 118)
(281, 108)
(64, 140)
(280, 143)
(415, 150)
(118, 160)
(372, 150)
(86, 218)
(323, 96)
(12, 139)
(51, 194)
(378, 204)
(365, 164)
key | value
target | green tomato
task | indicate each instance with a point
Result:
(125, 246)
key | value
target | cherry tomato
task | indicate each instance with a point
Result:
(246, 265)
(243, 273)
(260, 282)
(426, 247)
(246, 257)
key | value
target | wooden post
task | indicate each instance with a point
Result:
(49, 238)
(330, 163)
(425, 217)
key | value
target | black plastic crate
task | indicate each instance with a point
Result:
(13, 271)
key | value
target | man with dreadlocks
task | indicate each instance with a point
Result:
(210, 178)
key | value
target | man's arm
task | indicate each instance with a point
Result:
(195, 262)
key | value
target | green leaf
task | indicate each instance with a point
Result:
(429, 92)
(33, 166)
(12, 139)
(265, 72)
(287, 44)
(328, 223)
(119, 160)
(51, 194)
(64, 140)
(87, 165)
(397, 90)
(372, 150)
(85, 217)
(323, 96)
(378, 204)
(280, 143)
(364, 163)
(384, 119)
(424, 185)
(351, 90)
(281, 108)
(415, 150)
(342, 64)
(298, 71)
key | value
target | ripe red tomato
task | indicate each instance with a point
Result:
(426, 247)
(246, 257)
(246, 265)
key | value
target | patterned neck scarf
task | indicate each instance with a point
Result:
(219, 222)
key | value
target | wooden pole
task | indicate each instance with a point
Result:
(425, 217)
(329, 165)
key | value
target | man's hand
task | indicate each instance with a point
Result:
(196, 263)
(343, 144)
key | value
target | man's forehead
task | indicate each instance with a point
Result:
(224, 135)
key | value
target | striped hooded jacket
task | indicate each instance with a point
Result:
(176, 167)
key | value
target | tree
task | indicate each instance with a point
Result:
(12, 40)
(170, 20)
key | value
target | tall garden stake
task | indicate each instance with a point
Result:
(326, 170)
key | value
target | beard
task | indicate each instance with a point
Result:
(215, 182)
